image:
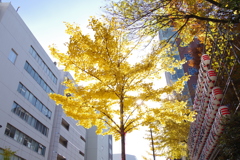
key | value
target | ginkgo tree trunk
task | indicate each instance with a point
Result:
(115, 82)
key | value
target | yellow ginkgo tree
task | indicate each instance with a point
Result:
(120, 91)
(170, 139)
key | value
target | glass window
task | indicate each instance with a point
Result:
(39, 80)
(26, 116)
(19, 87)
(29, 142)
(30, 97)
(49, 114)
(37, 58)
(40, 149)
(44, 110)
(14, 107)
(48, 90)
(25, 141)
(34, 99)
(18, 111)
(40, 62)
(12, 56)
(44, 86)
(42, 65)
(27, 94)
(37, 124)
(34, 54)
(32, 73)
(192, 71)
(55, 80)
(36, 76)
(48, 71)
(188, 56)
(30, 119)
(12, 132)
(42, 83)
(22, 114)
(33, 123)
(7, 130)
(33, 145)
(40, 107)
(23, 90)
(26, 66)
(45, 68)
(29, 69)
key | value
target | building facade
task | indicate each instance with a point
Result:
(179, 54)
(31, 123)
(98, 147)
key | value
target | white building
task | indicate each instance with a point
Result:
(98, 147)
(32, 125)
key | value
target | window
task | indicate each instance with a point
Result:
(192, 71)
(27, 117)
(63, 141)
(188, 56)
(24, 139)
(82, 138)
(37, 78)
(34, 101)
(60, 157)
(65, 124)
(12, 56)
(42, 64)
(80, 152)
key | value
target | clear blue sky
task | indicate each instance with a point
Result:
(45, 19)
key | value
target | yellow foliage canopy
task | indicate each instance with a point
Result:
(190, 18)
(114, 84)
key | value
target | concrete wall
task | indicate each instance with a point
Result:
(15, 35)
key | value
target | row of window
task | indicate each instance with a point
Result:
(32, 99)
(37, 78)
(13, 157)
(24, 139)
(67, 126)
(43, 64)
(24, 115)
(64, 142)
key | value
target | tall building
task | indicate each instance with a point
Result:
(179, 54)
(30, 122)
(98, 147)
(32, 125)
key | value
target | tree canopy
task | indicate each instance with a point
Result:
(170, 139)
(190, 18)
(119, 95)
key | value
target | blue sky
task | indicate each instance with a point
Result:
(45, 19)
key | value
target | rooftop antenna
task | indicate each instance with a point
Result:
(17, 8)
